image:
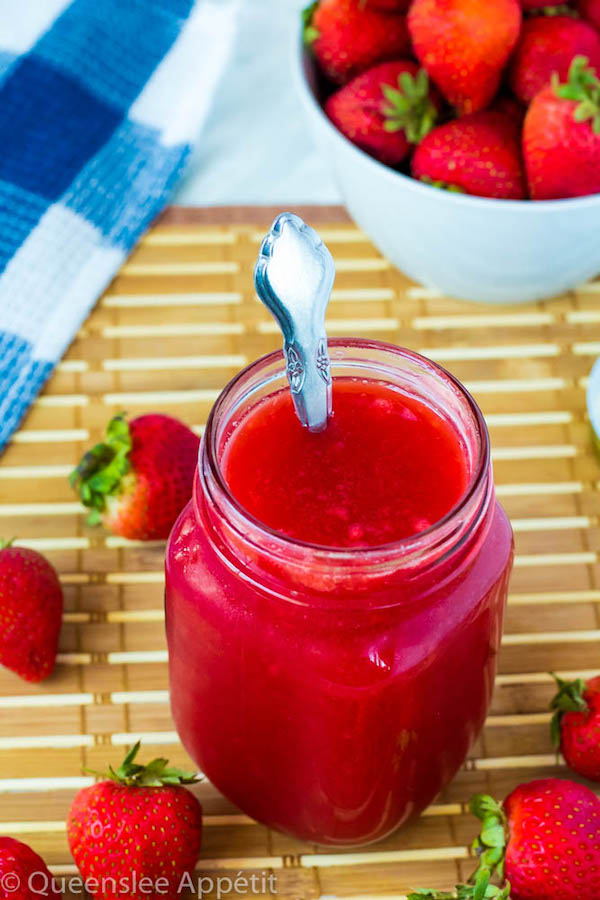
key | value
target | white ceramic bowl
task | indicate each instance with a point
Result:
(498, 251)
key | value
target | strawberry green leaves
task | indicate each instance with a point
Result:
(491, 841)
(155, 774)
(489, 847)
(464, 892)
(409, 107)
(570, 698)
(101, 470)
(583, 88)
(309, 32)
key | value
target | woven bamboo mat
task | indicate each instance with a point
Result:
(179, 320)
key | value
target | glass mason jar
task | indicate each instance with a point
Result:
(332, 693)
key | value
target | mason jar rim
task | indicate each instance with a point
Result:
(406, 546)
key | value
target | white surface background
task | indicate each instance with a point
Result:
(255, 147)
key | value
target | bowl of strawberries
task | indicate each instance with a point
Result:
(464, 136)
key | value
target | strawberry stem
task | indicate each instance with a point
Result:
(409, 107)
(155, 774)
(101, 470)
(4, 544)
(570, 698)
(583, 88)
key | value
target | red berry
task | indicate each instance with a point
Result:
(576, 725)
(544, 841)
(139, 479)
(23, 874)
(349, 36)
(548, 45)
(553, 849)
(477, 154)
(561, 137)
(542, 844)
(31, 605)
(141, 824)
(386, 109)
(464, 45)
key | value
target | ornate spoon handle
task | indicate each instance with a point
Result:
(294, 275)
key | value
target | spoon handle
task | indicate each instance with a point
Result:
(293, 277)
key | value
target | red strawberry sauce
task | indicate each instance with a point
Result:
(333, 693)
(386, 467)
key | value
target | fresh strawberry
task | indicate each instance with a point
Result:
(464, 45)
(139, 824)
(545, 841)
(590, 11)
(386, 109)
(576, 725)
(547, 45)
(349, 36)
(23, 874)
(31, 605)
(477, 154)
(139, 479)
(561, 137)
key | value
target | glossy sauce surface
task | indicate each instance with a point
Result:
(387, 467)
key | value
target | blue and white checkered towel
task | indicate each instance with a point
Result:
(100, 101)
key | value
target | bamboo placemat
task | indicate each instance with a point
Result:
(179, 320)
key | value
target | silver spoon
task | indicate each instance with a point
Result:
(293, 277)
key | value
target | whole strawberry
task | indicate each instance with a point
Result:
(590, 11)
(137, 481)
(142, 823)
(576, 725)
(31, 606)
(561, 137)
(349, 36)
(549, 44)
(386, 109)
(545, 841)
(23, 874)
(478, 154)
(464, 45)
